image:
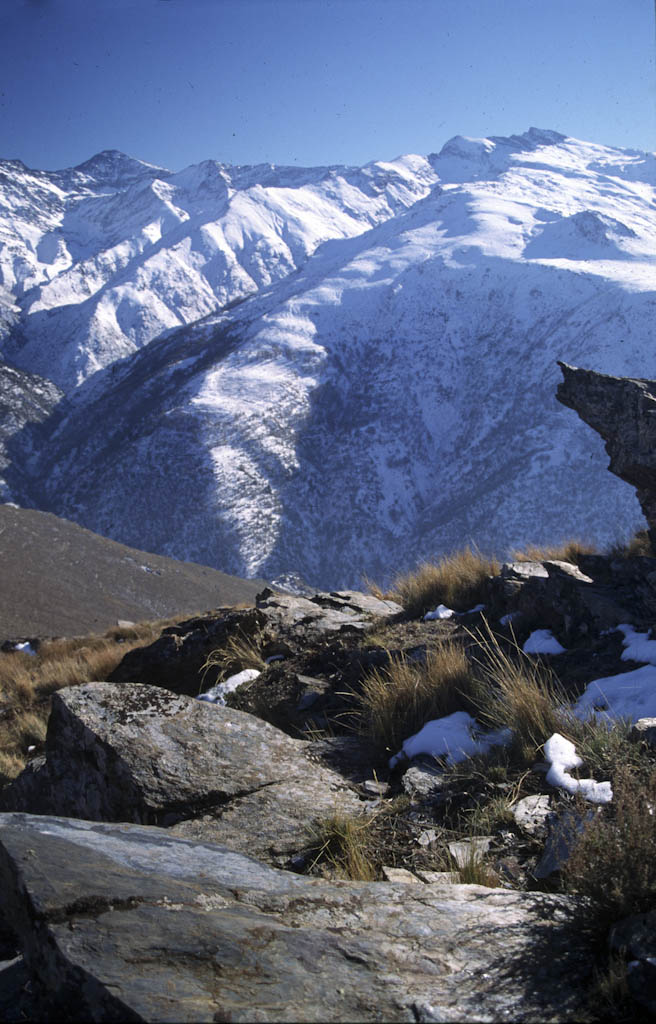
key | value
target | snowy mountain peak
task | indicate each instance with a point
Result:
(116, 169)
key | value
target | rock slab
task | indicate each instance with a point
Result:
(125, 922)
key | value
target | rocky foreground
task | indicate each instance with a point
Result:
(158, 857)
(151, 856)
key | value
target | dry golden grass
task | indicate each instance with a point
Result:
(396, 701)
(238, 653)
(27, 681)
(566, 551)
(517, 692)
(345, 843)
(637, 546)
(458, 580)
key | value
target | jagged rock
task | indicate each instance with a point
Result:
(622, 410)
(125, 922)
(142, 754)
(559, 596)
(176, 658)
(323, 614)
(280, 624)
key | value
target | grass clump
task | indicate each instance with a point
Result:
(344, 843)
(518, 693)
(397, 700)
(567, 551)
(238, 653)
(458, 581)
(639, 545)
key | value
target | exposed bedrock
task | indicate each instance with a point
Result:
(623, 411)
(127, 923)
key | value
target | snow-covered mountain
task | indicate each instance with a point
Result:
(387, 391)
(106, 256)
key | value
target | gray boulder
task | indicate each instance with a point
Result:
(138, 753)
(126, 922)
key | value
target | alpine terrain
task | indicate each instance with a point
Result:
(333, 371)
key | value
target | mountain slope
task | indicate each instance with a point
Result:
(59, 579)
(392, 398)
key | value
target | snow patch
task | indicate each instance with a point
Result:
(542, 641)
(455, 737)
(217, 694)
(562, 756)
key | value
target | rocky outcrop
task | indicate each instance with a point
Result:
(123, 922)
(142, 754)
(623, 411)
(279, 626)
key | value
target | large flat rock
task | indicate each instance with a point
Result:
(125, 922)
(137, 753)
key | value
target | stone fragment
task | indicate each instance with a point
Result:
(376, 788)
(531, 813)
(399, 875)
(125, 922)
(424, 783)
(470, 851)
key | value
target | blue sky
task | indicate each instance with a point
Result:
(316, 81)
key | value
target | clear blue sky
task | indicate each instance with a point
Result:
(316, 81)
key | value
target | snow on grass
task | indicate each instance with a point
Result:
(542, 641)
(454, 737)
(561, 755)
(217, 694)
(441, 612)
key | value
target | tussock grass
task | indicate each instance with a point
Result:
(27, 681)
(344, 842)
(396, 701)
(566, 551)
(238, 653)
(519, 693)
(639, 545)
(458, 580)
(475, 871)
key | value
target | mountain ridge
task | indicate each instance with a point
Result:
(387, 393)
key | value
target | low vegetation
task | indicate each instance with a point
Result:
(238, 653)
(613, 863)
(397, 700)
(518, 693)
(458, 581)
(567, 551)
(639, 545)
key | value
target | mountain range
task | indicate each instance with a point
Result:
(330, 371)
